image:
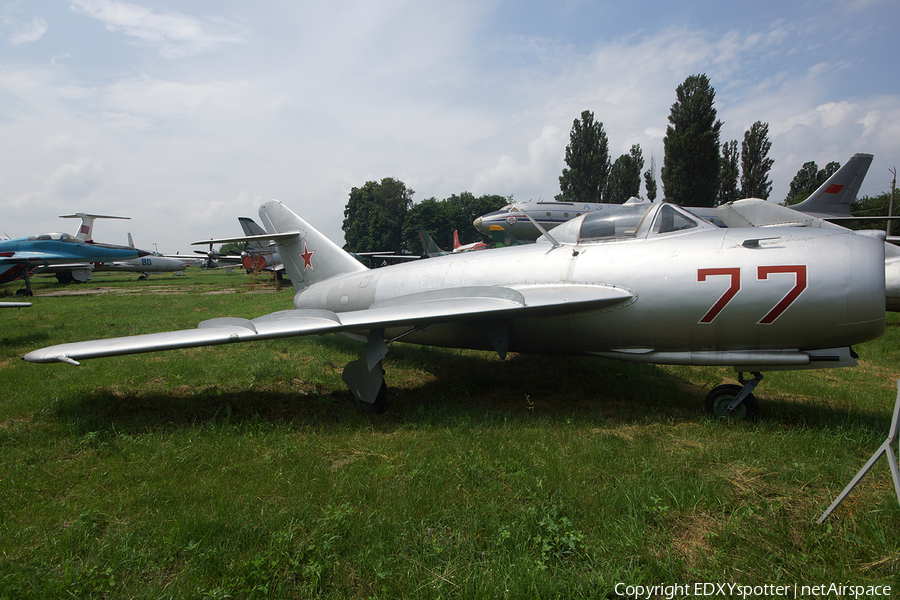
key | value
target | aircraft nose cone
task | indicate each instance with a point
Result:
(477, 223)
(142, 253)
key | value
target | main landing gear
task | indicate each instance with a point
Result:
(731, 402)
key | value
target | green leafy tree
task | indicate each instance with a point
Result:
(375, 215)
(728, 185)
(872, 206)
(232, 248)
(807, 180)
(587, 157)
(441, 217)
(690, 172)
(625, 177)
(650, 179)
(755, 162)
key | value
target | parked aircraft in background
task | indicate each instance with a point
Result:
(429, 246)
(502, 237)
(214, 259)
(473, 247)
(153, 262)
(549, 214)
(86, 231)
(260, 256)
(830, 201)
(18, 257)
(647, 283)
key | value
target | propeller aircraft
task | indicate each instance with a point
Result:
(648, 283)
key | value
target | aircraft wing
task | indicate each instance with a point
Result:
(33, 259)
(469, 304)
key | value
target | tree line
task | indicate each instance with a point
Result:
(380, 216)
(698, 170)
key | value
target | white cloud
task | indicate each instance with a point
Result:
(320, 98)
(174, 34)
(27, 32)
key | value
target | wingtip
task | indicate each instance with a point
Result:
(38, 357)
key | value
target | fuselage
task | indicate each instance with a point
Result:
(147, 264)
(707, 290)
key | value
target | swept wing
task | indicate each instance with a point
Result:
(415, 310)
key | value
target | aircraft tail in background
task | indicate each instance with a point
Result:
(86, 230)
(429, 246)
(833, 198)
(502, 237)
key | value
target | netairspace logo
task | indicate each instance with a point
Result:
(734, 590)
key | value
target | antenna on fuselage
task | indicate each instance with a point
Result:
(538, 225)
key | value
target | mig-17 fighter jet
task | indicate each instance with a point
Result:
(648, 283)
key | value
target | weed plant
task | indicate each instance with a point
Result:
(243, 471)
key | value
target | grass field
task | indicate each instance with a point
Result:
(242, 471)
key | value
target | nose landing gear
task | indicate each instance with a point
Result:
(731, 402)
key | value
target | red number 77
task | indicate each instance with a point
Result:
(763, 273)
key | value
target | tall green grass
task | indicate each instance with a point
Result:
(243, 471)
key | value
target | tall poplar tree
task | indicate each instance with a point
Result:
(625, 177)
(755, 162)
(728, 186)
(587, 157)
(690, 172)
(650, 179)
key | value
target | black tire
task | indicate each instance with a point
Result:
(375, 408)
(720, 397)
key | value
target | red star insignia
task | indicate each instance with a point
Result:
(307, 258)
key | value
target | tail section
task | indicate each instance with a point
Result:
(834, 197)
(308, 256)
(85, 232)
(250, 227)
(502, 237)
(429, 246)
(456, 243)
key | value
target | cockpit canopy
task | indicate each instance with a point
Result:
(627, 221)
(59, 237)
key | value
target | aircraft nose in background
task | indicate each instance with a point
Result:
(477, 223)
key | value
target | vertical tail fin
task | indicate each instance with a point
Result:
(87, 223)
(309, 256)
(251, 228)
(428, 244)
(456, 243)
(502, 237)
(834, 197)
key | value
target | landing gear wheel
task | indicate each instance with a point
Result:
(375, 408)
(720, 397)
(24, 292)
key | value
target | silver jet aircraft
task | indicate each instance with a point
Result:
(831, 201)
(647, 283)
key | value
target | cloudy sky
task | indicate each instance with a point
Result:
(185, 115)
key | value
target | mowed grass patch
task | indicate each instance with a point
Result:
(243, 471)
